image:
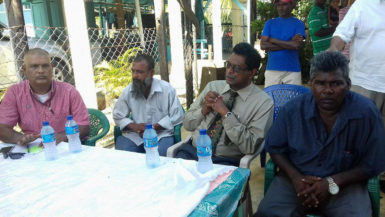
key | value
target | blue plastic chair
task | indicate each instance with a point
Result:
(281, 94)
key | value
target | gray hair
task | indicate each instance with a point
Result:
(329, 61)
(36, 51)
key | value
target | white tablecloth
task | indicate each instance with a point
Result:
(101, 182)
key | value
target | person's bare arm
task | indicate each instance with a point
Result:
(302, 183)
(293, 44)
(9, 135)
(325, 31)
(268, 46)
(84, 130)
(337, 44)
(343, 179)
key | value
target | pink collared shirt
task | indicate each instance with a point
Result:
(21, 106)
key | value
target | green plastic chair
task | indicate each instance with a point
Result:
(99, 126)
(373, 187)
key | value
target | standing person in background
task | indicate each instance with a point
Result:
(281, 38)
(319, 29)
(333, 12)
(364, 26)
(343, 11)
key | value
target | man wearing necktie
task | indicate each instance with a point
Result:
(236, 112)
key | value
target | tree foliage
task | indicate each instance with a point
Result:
(115, 75)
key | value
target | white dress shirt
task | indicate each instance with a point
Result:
(364, 26)
(162, 106)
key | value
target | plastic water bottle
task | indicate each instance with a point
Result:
(49, 141)
(72, 131)
(204, 152)
(150, 140)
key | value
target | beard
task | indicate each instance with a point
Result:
(139, 87)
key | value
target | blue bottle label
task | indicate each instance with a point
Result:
(204, 151)
(149, 143)
(72, 130)
(47, 138)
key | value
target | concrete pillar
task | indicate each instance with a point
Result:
(217, 32)
(177, 76)
(237, 30)
(75, 16)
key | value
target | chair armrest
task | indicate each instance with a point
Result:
(374, 193)
(246, 160)
(91, 141)
(117, 133)
(270, 171)
(177, 133)
(171, 151)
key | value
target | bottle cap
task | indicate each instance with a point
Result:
(45, 123)
(203, 132)
(148, 126)
(69, 117)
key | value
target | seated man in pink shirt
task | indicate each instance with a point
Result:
(38, 99)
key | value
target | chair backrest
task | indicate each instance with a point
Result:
(282, 93)
(99, 126)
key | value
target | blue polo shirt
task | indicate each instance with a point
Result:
(356, 140)
(283, 29)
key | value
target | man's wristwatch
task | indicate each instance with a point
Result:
(228, 114)
(333, 187)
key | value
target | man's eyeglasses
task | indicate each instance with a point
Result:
(235, 68)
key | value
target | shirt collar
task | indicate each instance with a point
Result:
(51, 92)
(155, 86)
(348, 110)
(243, 93)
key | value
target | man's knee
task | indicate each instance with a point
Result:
(125, 144)
(183, 154)
(164, 144)
(263, 210)
(120, 143)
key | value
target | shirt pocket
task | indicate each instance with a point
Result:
(57, 120)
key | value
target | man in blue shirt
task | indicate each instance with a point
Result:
(327, 144)
(281, 38)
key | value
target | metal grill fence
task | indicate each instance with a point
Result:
(54, 40)
(114, 43)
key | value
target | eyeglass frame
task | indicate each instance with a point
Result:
(235, 68)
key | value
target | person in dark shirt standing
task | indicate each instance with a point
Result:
(320, 31)
(327, 144)
(333, 12)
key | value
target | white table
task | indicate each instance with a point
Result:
(100, 182)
